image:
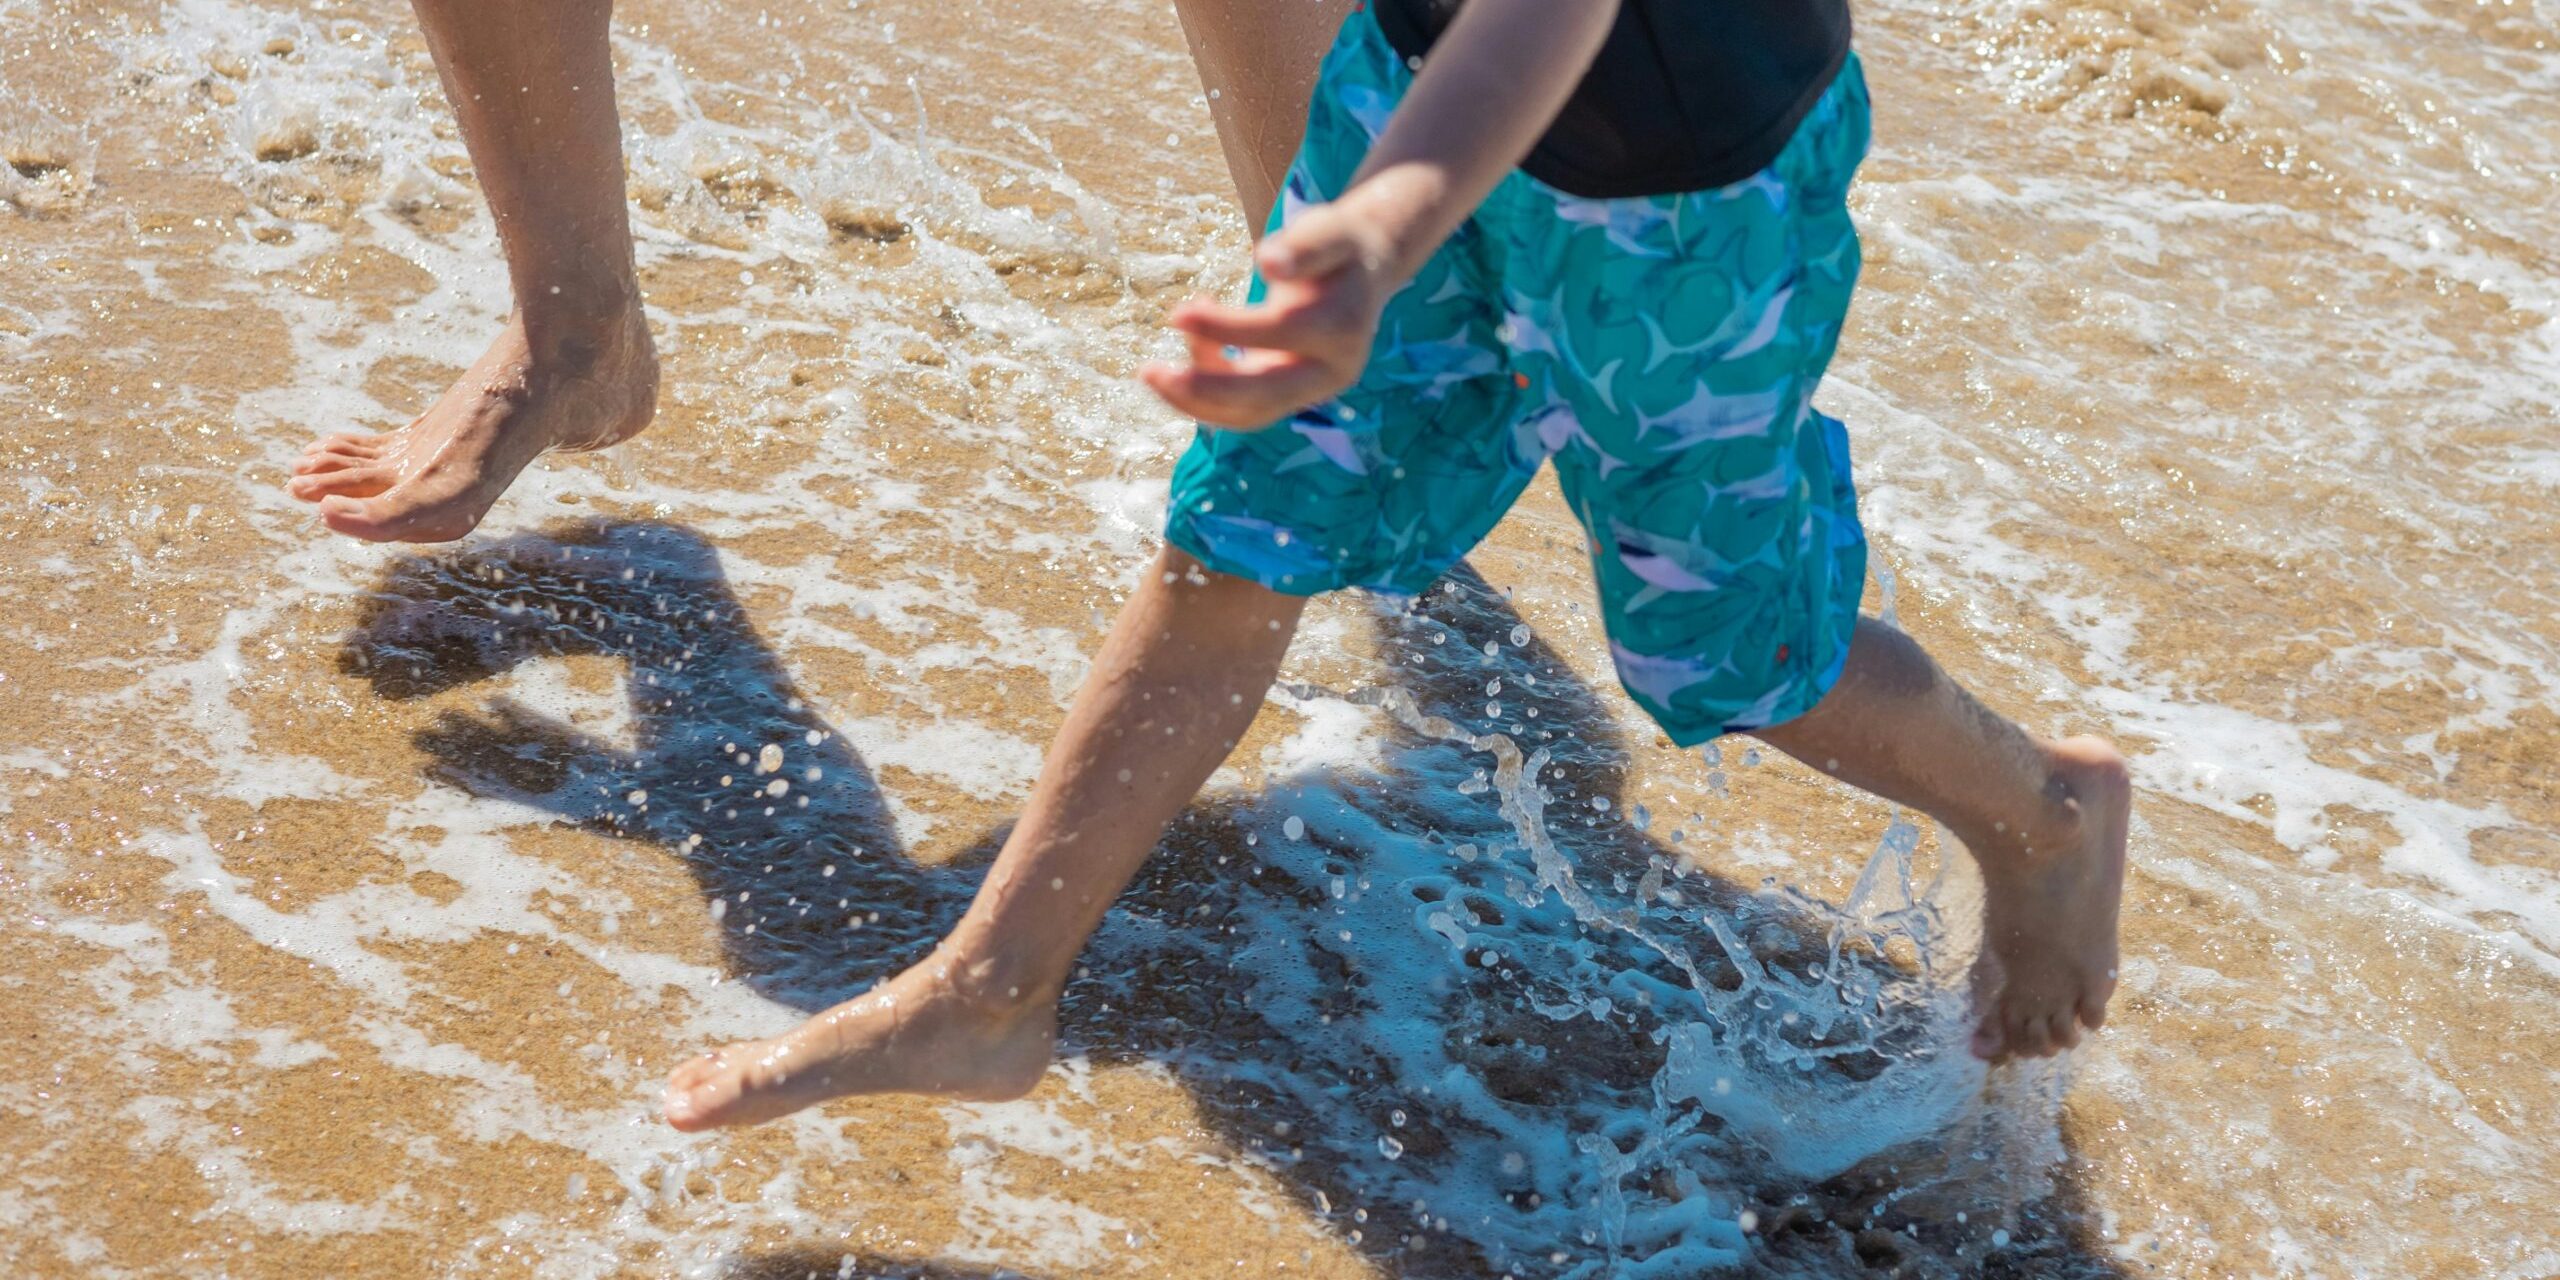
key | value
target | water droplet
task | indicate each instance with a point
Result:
(637, 798)
(1390, 1148)
(1295, 828)
(1520, 634)
(2000, 1238)
(770, 758)
(719, 909)
(1396, 1117)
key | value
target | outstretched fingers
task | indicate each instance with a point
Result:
(1318, 242)
(1220, 324)
(1254, 390)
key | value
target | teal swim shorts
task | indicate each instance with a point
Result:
(1662, 350)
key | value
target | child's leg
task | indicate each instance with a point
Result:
(531, 83)
(1177, 681)
(1258, 61)
(2044, 820)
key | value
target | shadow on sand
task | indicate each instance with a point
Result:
(1299, 984)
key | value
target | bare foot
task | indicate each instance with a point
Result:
(919, 1032)
(433, 479)
(2048, 961)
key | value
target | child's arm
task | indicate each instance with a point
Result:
(1492, 85)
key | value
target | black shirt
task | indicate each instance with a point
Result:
(1684, 95)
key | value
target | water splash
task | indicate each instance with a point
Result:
(1535, 1046)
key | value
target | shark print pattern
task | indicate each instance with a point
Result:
(1661, 351)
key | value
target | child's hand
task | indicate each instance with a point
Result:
(1325, 278)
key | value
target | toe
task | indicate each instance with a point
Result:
(361, 518)
(1987, 1043)
(696, 1107)
(702, 1093)
(2062, 1030)
(693, 1073)
(348, 483)
(2092, 1012)
(313, 464)
(2093, 1003)
(390, 519)
(342, 442)
(2025, 1035)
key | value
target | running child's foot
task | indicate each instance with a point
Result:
(432, 480)
(923, 1031)
(2048, 961)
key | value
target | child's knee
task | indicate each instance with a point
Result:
(1884, 662)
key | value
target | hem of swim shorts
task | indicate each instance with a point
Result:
(1296, 584)
(1808, 697)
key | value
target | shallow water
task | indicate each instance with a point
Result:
(2202, 394)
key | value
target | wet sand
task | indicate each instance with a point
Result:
(2202, 392)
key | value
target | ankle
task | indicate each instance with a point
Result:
(995, 982)
(574, 335)
(2079, 784)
